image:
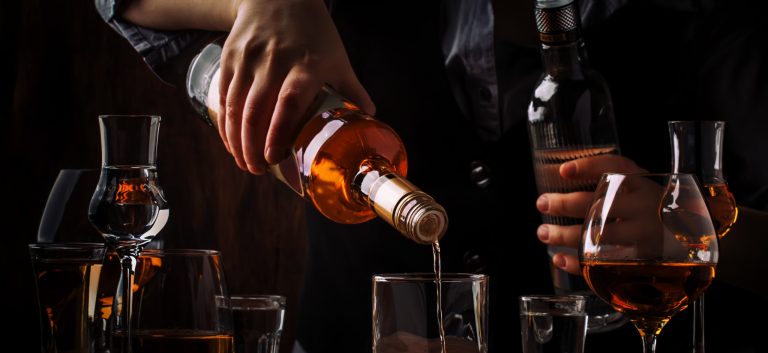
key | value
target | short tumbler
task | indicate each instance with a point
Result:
(553, 323)
(406, 316)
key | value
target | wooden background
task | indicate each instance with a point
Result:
(62, 66)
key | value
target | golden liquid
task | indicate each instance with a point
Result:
(437, 267)
(357, 140)
(328, 153)
(649, 293)
(64, 290)
(181, 341)
(146, 268)
(722, 207)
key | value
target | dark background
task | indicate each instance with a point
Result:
(62, 67)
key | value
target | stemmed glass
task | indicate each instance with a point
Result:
(697, 148)
(648, 247)
(128, 206)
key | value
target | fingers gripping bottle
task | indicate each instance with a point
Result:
(570, 116)
(351, 166)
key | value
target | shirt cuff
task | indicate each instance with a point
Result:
(155, 46)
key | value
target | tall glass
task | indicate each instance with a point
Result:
(648, 247)
(128, 207)
(406, 313)
(697, 148)
(66, 278)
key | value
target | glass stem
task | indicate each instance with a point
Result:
(698, 325)
(51, 346)
(128, 264)
(649, 343)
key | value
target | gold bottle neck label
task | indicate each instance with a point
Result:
(411, 211)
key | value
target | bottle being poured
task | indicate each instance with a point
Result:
(351, 166)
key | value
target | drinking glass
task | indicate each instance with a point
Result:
(66, 277)
(258, 322)
(407, 315)
(648, 247)
(182, 305)
(553, 323)
(128, 207)
(697, 148)
(65, 216)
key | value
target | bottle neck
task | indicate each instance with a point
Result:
(568, 59)
(394, 199)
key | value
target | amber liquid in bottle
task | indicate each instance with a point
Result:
(351, 166)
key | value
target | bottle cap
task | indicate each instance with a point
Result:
(549, 4)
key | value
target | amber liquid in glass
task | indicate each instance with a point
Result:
(722, 207)
(649, 293)
(146, 268)
(437, 268)
(60, 283)
(130, 207)
(182, 341)
(63, 296)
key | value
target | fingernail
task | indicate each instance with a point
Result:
(559, 260)
(256, 169)
(542, 203)
(543, 233)
(568, 170)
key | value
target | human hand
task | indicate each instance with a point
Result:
(277, 57)
(576, 204)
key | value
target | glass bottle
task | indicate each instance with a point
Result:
(351, 166)
(570, 116)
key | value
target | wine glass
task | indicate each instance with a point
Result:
(65, 216)
(697, 148)
(648, 247)
(128, 206)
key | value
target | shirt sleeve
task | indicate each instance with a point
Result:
(155, 46)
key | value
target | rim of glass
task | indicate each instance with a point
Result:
(553, 297)
(107, 116)
(650, 174)
(429, 277)
(247, 301)
(696, 121)
(67, 246)
(163, 252)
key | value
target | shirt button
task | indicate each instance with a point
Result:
(480, 174)
(473, 262)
